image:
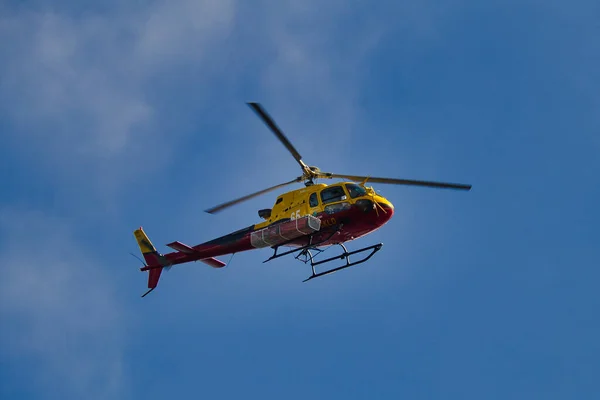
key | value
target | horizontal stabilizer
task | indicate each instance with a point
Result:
(213, 262)
(184, 248)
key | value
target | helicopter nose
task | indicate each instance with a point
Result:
(386, 204)
(388, 209)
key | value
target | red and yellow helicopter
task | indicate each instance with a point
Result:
(305, 220)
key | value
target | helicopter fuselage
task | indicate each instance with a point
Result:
(346, 210)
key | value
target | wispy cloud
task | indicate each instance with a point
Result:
(58, 309)
(78, 85)
(76, 90)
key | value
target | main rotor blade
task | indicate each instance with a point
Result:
(222, 206)
(443, 185)
(271, 124)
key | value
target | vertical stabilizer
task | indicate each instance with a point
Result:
(152, 257)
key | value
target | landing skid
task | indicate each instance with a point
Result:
(345, 255)
(305, 254)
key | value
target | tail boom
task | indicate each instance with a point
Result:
(155, 261)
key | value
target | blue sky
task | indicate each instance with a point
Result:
(114, 116)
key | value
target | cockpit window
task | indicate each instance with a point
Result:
(313, 201)
(355, 190)
(279, 200)
(331, 194)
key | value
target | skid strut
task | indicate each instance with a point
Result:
(302, 249)
(305, 255)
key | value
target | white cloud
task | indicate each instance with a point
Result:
(174, 32)
(76, 86)
(75, 89)
(58, 309)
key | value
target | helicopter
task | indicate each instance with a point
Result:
(304, 221)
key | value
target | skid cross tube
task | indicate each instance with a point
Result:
(345, 255)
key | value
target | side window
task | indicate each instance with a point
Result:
(313, 201)
(331, 194)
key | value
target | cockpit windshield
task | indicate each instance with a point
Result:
(355, 190)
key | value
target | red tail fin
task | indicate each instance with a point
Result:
(153, 277)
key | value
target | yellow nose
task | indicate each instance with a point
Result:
(384, 202)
